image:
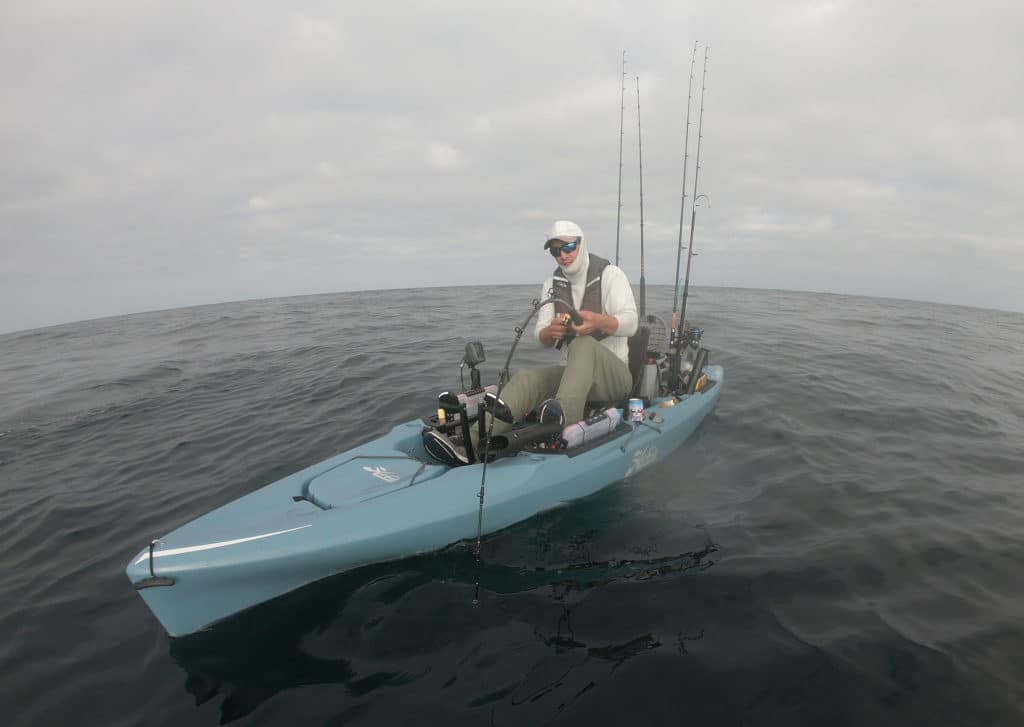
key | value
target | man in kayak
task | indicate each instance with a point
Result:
(595, 353)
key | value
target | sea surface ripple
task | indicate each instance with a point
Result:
(840, 543)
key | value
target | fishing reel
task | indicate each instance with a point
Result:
(686, 336)
(682, 368)
(570, 316)
(691, 337)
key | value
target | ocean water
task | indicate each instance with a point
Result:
(840, 543)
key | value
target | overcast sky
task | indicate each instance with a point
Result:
(161, 154)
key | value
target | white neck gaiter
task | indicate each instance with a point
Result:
(576, 273)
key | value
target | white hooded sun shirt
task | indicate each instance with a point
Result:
(616, 300)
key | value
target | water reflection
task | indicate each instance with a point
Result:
(408, 625)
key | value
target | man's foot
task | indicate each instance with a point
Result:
(448, 400)
(443, 449)
(498, 409)
(551, 411)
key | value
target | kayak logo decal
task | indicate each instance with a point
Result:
(383, 473)
(642, 459)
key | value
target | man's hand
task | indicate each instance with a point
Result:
(559, 328)
(595, 322)
(555, 332)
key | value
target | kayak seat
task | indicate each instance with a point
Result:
(638, 344)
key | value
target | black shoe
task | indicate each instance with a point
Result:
(498, 409)
(551, 411)
(443, 449)
(448, 400)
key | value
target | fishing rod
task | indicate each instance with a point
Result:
(682, 204)
(622, 115)
(679, 343)
(640, 148)
(693, 211)
(503, 378)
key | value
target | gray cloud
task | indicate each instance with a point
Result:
(162, 155)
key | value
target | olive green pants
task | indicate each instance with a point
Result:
(592, 373)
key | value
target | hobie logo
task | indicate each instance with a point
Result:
(383, 473)
(642, 459)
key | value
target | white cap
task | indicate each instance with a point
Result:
(565, 231)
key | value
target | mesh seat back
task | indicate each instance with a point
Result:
(638, 355)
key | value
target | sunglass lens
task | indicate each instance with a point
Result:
(566, 248)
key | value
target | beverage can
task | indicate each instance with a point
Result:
(636, 410)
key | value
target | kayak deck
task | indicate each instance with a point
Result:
(365, 477)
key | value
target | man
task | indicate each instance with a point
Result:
(595, 353)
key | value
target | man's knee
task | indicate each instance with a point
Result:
(517, 378)
(524, 391)
(583, 346)
(524, 380)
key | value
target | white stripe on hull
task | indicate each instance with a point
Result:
(210, 546)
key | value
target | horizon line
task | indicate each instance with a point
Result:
(501, 285)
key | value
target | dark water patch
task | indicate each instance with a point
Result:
(839, 543)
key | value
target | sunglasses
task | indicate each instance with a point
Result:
(567, 248)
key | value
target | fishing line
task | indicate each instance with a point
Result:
(503, 378)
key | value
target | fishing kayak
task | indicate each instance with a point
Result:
(383, 500)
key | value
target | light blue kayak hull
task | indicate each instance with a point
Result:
(381, 501)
